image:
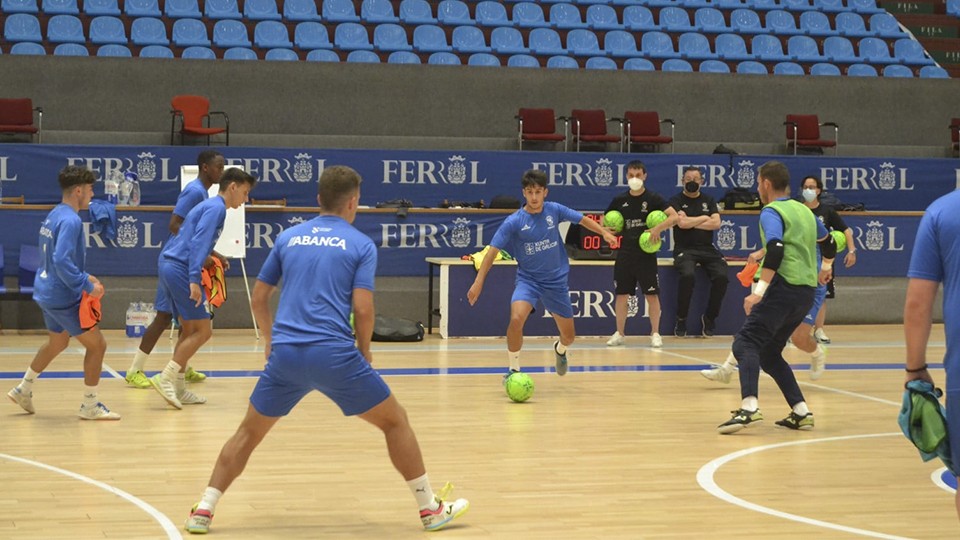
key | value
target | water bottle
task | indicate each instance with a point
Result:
(111, 186)
(131, 320)
(133, 180)
(123, 196)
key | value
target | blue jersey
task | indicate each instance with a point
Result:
(936, 257)
(61, 276)
(534, 241)
(197, 236)
(193, 194)
(321, 262)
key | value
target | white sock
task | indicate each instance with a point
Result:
(26, 384)
(180, 382)
(209, 500)
(420, 487)
(819, 352)
(801, 409)
(729, 363)
(89, 396)
(139, 360)
(560, 347)
(170, 372)
(750, 403)
(514, 360)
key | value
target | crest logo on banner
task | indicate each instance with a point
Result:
(746, 176)
(726, 236)
(127, 234)
(874, 236)
(457, 171)
(887, 178)
(460, 234)
(603, 174)
(296, 220)
(302, 168)
(146, 167)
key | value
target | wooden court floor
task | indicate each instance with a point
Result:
(624, 446)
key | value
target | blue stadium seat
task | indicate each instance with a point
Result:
(469, 39)
(728, 4)
(197, 53)
(19, 6)
(390, 37)
(156, 51)
(271, 35)
(565, 16)
(751, 67)
(65, 29)
(230, 33)
(910, 52)
(322, 55)
(839, 49)
(861, 70)
(523, 60)
(28, 48)
(141, 8)
(851, 24)
(590, 2)
(261, 10)
(22, 27)
(105, 30)
(713, 66)
(483, 59)
(602, 17)
(732, 47)
(181, 9)
(221, 9)
(492, 14)
(546, 41)
(562, 62)
(824, 69)
(94, 8)
(528, 15)
(148, 31)
(885, 26)
(675, 19)
(300, 10)
(694, 46)
(310, 35)
(676, 65)
(60, 7)
(788, 68)
(416, 12)
(351, 37)
(781, 23)
(796, 5)
(865, 7)
(638, 18)
(239, 53)
(454, 13)
(582, 42)
(767, 48)
(363, 57)
(874, 51)
(762, 5)
(506, 40)
(190, 33)
(657, 45)
(618, 43)
(898, 71)
(815, 23)
(709, 20)
(444, 59)
(933, 72)
(430, 38)
(378, 12)
(829, 6)
(746, 21)
(638, 64)
(953, 8)
(281, 55)
(115, 51)
(803, 49)
(601, 62)
(403, 57)
(71, 49)
(339, 11)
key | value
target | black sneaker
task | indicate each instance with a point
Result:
(741, 419)
(680, 329)
(709, 325)
(795, 421)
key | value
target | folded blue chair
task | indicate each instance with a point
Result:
(362, 57)
(454, 13)
(562, 62)
(767, 48)
(60, 7)
(221, 9)
(865, 7)
(675, 19)
(148, 31)
(528, 15)
(230, 33)
(638, 18)
(886, 26)
(824, 69)
(378, 12)
(732, 47)
(114, 50)
(829, 6)
(271, 35)
(803, 49)
(676, 65)
(933, 72)
(430, 38)
(94, 8)
(403, 57)
(861, 70)
(182, 9)
(281, 55)
(190, 33)
(620, 44)
(788, 68)
(694, 46)
(390, 37)
(141, 8)
(105, 29)
(19, 6)
(65, 29)
(310, 35)
(28, 48)
(713, 66)
(506, 40)
(71, 49)
(815, 23)
(910, 52)
(751, 67)
(839, 49)
(565, 16)
(416, 12)
(300, 10)
(850, 24)
(582, 42)
(546, 41)
(602, 17)
(490, 13)
(340, 11)
(444, 59)
(22, 27)
(638, 64)
(352, 37)
(484, 60)
(198, 53)
(746, 21)
(262, 10)
(523, 60)
(781, 23)
(469, 39)
(898, 71)
(239, 53)
(709, 20)
(156, 51)
(601, 62)
(875, 51)
(322, 55)
(658, 45)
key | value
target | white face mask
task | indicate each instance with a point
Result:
(809, 195)
(636, 184)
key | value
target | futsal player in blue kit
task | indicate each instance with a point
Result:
(328, 268)
(61, 280)
(936, 260)
(180, 265)
(532, 236)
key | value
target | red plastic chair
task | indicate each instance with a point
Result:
(803, 130)
(194, 114)
(590, 126)
(16, 116)
(538, 125)
(643, 127)
(955, 135)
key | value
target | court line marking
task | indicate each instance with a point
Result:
(111, 371)
(172, 530)
(705, 477)
(937, 477)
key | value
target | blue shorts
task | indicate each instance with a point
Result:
(176, 292)
(555, 298)
(342, 374)
(67, 319)
(161, 303)
(817, 302)
(953, 425)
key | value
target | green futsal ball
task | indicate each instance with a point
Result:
(840, 239)
(613, 220)
(655, 218)
(646, 243)
(519, 387)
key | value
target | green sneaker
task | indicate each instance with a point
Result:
(741, 419)
(193, 376)
(137, 379)
(795, 421)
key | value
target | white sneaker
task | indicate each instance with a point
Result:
(447, 511)
(187, 397)
(166, 389)
(818, 362)
(656, 341)
(821, 336)
(25, 401)
(615, 340)
(97, 412)
(721, 373)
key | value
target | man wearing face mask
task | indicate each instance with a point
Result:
(697, 217)
(633, 265)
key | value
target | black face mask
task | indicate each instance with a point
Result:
(691, 187)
